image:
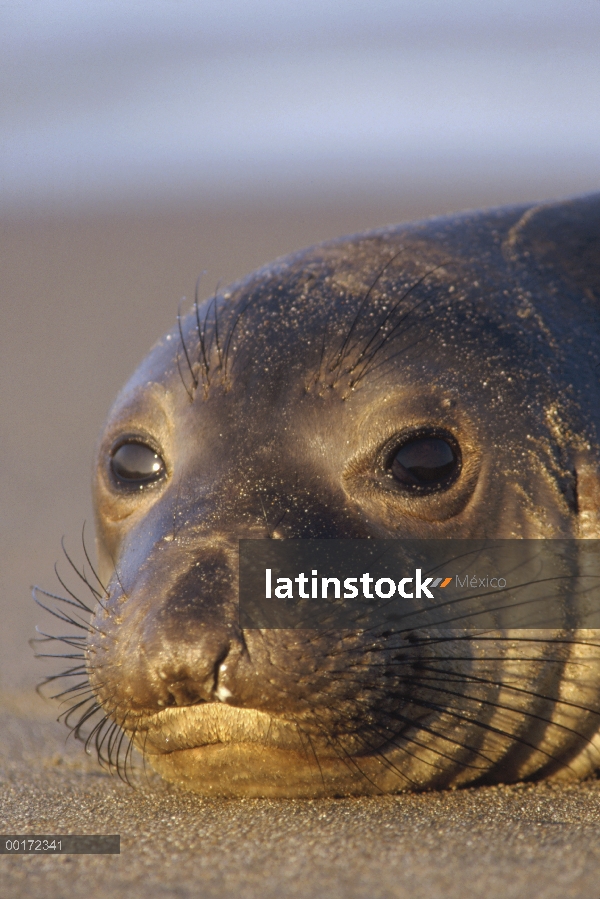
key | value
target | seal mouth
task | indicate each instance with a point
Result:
(215, 749)
(209, 724)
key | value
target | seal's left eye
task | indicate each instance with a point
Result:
(427, 462)
(136, 463)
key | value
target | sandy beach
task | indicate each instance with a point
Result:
(537, 841)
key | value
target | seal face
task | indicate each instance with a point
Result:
(438, 379)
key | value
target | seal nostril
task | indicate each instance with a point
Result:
(185, 674)
(572, 493)
(183, 694)
(223, 694)
(219, 690)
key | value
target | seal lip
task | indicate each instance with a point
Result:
(187, 728)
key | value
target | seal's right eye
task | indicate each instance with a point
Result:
(135, 464)
(426, 462)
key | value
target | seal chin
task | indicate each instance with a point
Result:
(250, 770)
(214, 749)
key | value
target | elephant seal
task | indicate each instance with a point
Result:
(435, 379)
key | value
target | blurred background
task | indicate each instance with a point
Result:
(144, 142)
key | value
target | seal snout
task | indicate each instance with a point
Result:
(175, 641)
(185, 685)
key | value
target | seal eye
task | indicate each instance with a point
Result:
(136, 464)
(429, 462)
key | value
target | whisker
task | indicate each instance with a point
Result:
(89, 561)
(184, 347)
(80, 574)
(336, 364)
(201, 332)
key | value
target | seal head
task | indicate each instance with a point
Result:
(437, 379)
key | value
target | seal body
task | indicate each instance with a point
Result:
(276, 410)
